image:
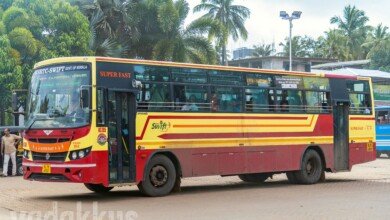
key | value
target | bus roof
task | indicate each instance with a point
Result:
(190, 65)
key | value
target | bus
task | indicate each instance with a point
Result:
(108, 122)
(382, 130)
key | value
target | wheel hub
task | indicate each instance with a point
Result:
(158, 175)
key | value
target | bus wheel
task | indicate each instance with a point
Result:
(254, 178)
(160, 177)
(311, 168)
(97, 188)
(19, 167)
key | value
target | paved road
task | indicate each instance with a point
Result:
(361, 194)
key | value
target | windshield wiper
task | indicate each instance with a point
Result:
(35, 120)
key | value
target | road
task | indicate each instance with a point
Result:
(361, 194)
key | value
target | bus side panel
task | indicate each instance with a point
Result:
(266, 143)
(361, 140)
(383, 138)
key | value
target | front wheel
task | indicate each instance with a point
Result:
(98, 188)
(160, 177)
(311, 168)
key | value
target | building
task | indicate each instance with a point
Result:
(242, 53)
(302, 64)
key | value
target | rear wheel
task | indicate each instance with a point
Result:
(254, 177)
(160, 177)
(98, 188)
(311, 168)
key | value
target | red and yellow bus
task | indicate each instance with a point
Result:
(109, 122)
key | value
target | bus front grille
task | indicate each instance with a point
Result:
(48, 177)
(49, 156)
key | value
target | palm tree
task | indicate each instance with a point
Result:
(333, 45)
(263, 50)
(179, 43)
(353, 25)
(231, 17)
(378, 35)
(113, 25)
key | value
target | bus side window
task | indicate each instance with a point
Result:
(154, 97)
(382, 117)
(100, 113)
(256, 100)
(226, 99)
(191, 98)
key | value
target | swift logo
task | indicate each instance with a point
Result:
(163, 126)
(48, 132)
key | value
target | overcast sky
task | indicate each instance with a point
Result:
(265, 25)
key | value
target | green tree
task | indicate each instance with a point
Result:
(353, 25)
(179, 43)
(263, 50)
(300, 46)
(231, 17)
(113, 24)
(333, 46)
(378, 35)
(380, 57)
(10, 75)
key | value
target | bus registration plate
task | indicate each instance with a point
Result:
(46, 168)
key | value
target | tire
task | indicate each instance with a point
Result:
(311, 168)
(254, 178)
(159, 178)
(291, 177)
(98, 188)
(19, 167)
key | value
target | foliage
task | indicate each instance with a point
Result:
(263, 50)
(230, 17)
(353, 25)
(301, 46)
(380, 58)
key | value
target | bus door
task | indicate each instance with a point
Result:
(340, 102)
(341, 136)
(121, 118)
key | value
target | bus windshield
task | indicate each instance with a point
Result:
(54, 99)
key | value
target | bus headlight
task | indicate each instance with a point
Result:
(74, 155)
(25, 154)
(78, 154)
(81, 154)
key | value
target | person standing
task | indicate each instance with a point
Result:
(8, 148)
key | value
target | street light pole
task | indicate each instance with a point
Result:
(285, 16)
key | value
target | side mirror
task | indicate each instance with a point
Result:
(85, 98)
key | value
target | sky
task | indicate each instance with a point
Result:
(265, 25)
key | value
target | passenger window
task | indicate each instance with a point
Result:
(191, 98)
(360, 103)
(257, 100)
(289, 100)
(189, 75)
(226, 78)
(318, 102)
(382, 117)
(226, 99)
(151, 73)
(154, 97)
(358, 86)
